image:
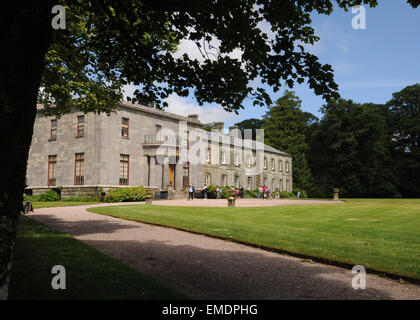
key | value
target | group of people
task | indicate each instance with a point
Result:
(239, 192)
(264, 192)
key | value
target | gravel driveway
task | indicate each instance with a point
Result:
(207, 268)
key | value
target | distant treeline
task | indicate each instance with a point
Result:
(366, 150)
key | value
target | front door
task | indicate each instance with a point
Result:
(171, 175)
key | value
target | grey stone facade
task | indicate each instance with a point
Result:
(103, 144)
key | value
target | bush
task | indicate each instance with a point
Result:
(303, 193)
(82, 199)
(126, 194)
(50, 195)
(211, 191)
(285, 194)
(250, 194)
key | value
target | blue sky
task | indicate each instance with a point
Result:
(369, 64)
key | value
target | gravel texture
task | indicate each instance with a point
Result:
(208, 268)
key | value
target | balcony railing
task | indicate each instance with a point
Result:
(153, 139)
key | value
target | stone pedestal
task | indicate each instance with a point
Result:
(336, 191)
(148, 199)
(231, 202)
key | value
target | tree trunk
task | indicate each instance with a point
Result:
(25, 34)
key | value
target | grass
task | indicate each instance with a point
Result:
(49, 204)
(379, 234)
(89, 273)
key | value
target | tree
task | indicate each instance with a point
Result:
(350, 149)
(250, 124)
(404, 124)
(109, 43)
(285, 125)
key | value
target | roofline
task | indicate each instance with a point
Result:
(159, 112)
(146, 109)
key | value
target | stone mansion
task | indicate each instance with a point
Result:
(85, 154)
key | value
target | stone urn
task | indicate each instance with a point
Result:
(231, 193)
(148, 199)
(336, 191)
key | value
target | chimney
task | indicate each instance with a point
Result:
(234, 132)
(219, 126)
(193, 117)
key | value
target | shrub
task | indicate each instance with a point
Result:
(126, 194)
(50, 195)
(285, 194)
(82, 199)
(250, 194)
(211, 191)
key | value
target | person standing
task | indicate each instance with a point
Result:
(241, 192)
(218, 193)
(191, 192)
(298, 195)
(205, 191)
(260, 192)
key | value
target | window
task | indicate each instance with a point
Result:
(237, 159)
(53, 130)
(249, 186)
(273, 184)
(207, 155)
(187, 139)
(236, 183)
(280, 165)
(124, 127)
(52, 161)
(208, 178)
(158, 129)
(287, 185)
(79, 177)
(287, 166)
(273, 165)
(80, 126)
(223, 157)
(249, 162)
(224, 180)
(265, 163)
(281, 185)
(124, 168)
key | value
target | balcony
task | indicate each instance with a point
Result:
(153, 140)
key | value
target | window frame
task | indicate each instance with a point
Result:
(121, 179)
(125, 127)
(79, 180)
(53, 171)
(53, 137)
(80, 126)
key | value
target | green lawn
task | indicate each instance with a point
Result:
(90, 274)
(381, 234)
(48, 204)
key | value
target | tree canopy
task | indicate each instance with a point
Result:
(110, 43)
(285, 124)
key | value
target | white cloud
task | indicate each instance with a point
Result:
(210, 113)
